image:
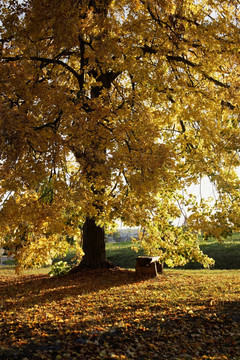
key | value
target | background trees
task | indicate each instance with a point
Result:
(108, 110)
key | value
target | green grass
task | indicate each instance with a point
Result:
(122, 254)
(9, 271)
(70, 258)
(226, 255)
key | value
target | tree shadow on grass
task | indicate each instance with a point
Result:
(27, 291)
(208, 333)
(92, 315)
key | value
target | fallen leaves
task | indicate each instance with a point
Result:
(112, 315)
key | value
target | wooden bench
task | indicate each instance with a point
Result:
(148, 265)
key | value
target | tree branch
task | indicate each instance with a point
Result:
(181, 59)
(44, 61)
(53, 125)
(190, 63)
(216, 82)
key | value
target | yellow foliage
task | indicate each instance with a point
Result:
(108, 111)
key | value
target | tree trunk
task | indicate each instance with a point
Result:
(93, 247)
(93, 244)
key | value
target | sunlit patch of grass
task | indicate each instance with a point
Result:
(9, 271)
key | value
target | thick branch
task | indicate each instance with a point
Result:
(181, 59)
(44, 61)
(216, 82)
(82, 63)
(190, 63)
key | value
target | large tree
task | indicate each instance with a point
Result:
(108, 110)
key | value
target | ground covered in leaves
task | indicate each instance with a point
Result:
(113, 314)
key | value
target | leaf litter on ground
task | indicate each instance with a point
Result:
(117, 315)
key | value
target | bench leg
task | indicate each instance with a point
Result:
(159, 268)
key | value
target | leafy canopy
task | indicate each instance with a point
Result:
(108, 110)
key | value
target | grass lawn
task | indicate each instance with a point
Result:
(8, 271)
(180, 315)
(226, 255)
(112, 314)
(122, 254)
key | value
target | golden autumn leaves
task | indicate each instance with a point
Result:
(113, 315)
(117, 106)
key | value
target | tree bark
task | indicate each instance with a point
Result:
(93, 247)
(93, 244)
